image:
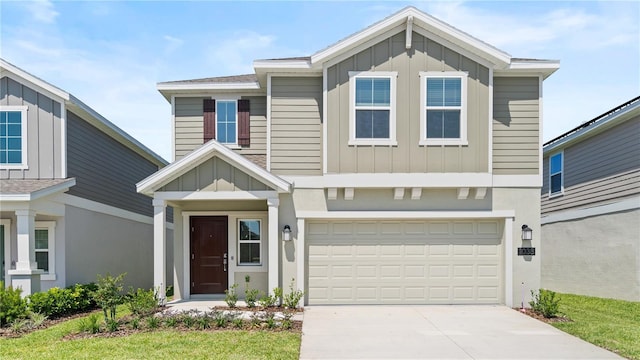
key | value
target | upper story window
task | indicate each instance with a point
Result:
(556, 181)
(372, 114)
(443, 116)
(13, 137)
(227, 121)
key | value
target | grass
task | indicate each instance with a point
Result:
(611, 324)
(165, 344)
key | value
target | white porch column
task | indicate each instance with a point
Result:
(160, 249)
(300, 247)
(508, 262)
(26, 275)
(274, 241)
(178, 255)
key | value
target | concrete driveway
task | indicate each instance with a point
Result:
(435, 332)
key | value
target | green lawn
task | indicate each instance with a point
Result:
(611, 324)
(162, 344)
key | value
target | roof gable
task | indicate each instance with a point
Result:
(202, 155)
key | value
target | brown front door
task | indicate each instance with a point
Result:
(209, 254)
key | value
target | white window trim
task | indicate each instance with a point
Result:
(50, 226)
(238, 241)
(23, 122)
(561, 172)
(423, 107)
(233, 145)
(353, 75)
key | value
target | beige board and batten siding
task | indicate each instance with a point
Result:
(189, 127)
(296, 125)
(516, 125)
(599, 170)
(408, 156)
(44, 126)
(215, 175)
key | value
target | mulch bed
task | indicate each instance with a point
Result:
(538, 316)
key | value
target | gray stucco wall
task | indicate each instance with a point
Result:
(99, 244)
(44, 126)
(596, 256)
(105, 170)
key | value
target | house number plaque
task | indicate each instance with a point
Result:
(526, 251)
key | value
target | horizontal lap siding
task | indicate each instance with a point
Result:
(105, 170)
(189, 127)
(408, 156)
(296, 126)
(600, 169)
(516, 125)
(44, 125)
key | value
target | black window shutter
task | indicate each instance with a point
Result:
(209, 107)
(243, 123)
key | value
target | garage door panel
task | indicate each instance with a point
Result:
(393, 262)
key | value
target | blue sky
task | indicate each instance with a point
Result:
(111, 54)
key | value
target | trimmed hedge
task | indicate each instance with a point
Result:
(12, 305)
(58, 302)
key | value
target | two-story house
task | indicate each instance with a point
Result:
(69, 209)
(591, 207)
(398, 165)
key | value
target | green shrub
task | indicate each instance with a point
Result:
(89, 324)
(545, 303)
(292, 299)
(112, 325)
(142, 302)
(171, 321)
(12, 305)
(108, 295)
(153, 322)
(231, 297)
(250, 295)
(57, 302)
(220, 319)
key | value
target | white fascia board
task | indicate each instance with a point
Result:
(8, 68)
(281, 64)
(62, 187)
(595, 128)
(392, 180)
(94, 118)
(529, 68)
(208, 86)
(497, 214)
(198, 156)
(215, 195)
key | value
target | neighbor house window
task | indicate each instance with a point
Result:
(13, 137)
(249, 242)
(443, 115)
(556, 181)
(372, 118)
(45, 248)
(227, 121)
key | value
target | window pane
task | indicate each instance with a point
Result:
(14, 130)
(3, 117)
(42, 258)
(14, 117)
(14, 157)
(3, 143)
(556, 183)
(14, 143)
(452, 91)
(3, 129)
(231, 133)
(435, 92)
(226, 122)
(42, 239)
(435, 124)
(382, 92)
(249, 230)
(372, 124)
(249, 253)
(3, 157)
(451, 124)
(556, 163)
(364, 91)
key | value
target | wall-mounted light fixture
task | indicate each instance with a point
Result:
(527, 233)
(286, 233)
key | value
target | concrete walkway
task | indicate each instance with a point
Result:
(435, 332)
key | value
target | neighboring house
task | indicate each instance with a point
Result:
(69, 209)
(591, 207)
(395, 166)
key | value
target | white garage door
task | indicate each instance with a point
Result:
(404, 262)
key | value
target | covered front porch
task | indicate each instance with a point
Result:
(226, 224)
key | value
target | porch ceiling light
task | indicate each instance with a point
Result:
(286, 233)
(527, 232)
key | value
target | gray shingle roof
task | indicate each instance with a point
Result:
(16, 187)
(246, 78)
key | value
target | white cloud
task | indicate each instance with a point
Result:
(42, 11)
(236, 53)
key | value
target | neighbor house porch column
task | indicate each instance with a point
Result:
(274, 240)
(26, 275)
(160, 249)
